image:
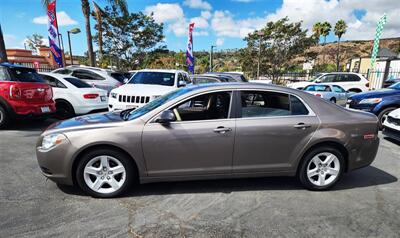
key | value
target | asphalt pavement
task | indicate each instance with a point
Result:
(365, 203)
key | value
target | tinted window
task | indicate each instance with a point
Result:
(86, 75)
(204, 107)
(25, 75)
(158, 78)
(328, 78)
(62, 71)
(297, 107)
(77, 83)
(338, 89)
(118, 76)
(318, 88)
(347, 78)
(263, 104)
(267, 104)
(205, 80)
(53, 81)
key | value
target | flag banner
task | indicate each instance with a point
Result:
(189, 51)
(377, 83)
(53, 33)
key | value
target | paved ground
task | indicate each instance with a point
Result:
(366, 203)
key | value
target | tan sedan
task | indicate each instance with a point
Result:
(210, 132)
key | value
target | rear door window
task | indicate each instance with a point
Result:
(77, 83)
(86, 75)
(53, 81)
(270, 104)
(3, 74)
(338, 89)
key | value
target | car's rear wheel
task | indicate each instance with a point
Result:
(321, 168)
(4, 118)
(383, 115)
(333, 100)
(105, 173)
(64, 110)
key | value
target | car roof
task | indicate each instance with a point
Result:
(9, 65)
(161, 70)
(240, 85)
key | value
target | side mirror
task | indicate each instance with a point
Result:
(181, 84)
(318, 80)
(126, 80)
(166, 117)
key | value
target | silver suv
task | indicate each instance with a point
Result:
(99, 78)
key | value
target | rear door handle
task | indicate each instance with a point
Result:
(222, 130)
(301, 125)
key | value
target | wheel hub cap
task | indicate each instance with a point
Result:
(323, 169)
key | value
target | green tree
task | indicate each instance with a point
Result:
(325, 30)
(86, 13)
(340, 30)
(129, 36)
(317, 30)
(279, 42)
(34, 41)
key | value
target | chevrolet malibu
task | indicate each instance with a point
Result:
(210, 131)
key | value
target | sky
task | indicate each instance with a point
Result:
(223, 23)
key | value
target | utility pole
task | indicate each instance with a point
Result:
(3, 52)
(211, 58)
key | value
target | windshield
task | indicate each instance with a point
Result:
(77, 83)
(158, 78)
(26, 75)
(155, 103)
(395, 86)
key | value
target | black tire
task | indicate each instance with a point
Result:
(382, 116)
(302, 172)
(4, 118)
(64, 110)
(127, 162)
(333, 100)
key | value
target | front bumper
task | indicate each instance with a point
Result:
(56, 163)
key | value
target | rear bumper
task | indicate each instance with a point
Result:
(362, 153)
(101, 107)
(21, 109)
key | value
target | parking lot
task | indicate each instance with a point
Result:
(364, 204)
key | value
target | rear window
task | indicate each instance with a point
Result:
(77, 83)
(118, 76)
(26, 75)
(157, 78)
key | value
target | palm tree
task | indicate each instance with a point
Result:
(325, 30)
(340, 29)
(317, 30)
(86, 13)
(3, 52)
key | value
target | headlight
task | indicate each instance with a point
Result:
(371, 101)
(114, 95)
(52, 140)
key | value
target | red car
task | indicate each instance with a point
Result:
(23, 94)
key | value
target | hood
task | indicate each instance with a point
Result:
(143, 89)
(92, 121)
(376, 94)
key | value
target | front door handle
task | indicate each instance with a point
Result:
(222, 130)
(301, 125)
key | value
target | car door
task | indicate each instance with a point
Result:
(341, 94)
(271, 131)
(199, 142)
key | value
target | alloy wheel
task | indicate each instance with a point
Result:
(104, 174)
(323, 169)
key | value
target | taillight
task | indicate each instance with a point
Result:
(15, 92)
(90, 95)
(318, 95)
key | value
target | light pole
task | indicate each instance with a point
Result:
(260, 34)
(72, 31)
(211, 57)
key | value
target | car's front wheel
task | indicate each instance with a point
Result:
(321, 168)
(105, 173)
(383, 115)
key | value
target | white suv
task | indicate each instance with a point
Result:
(144, 86)
(351, 82)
